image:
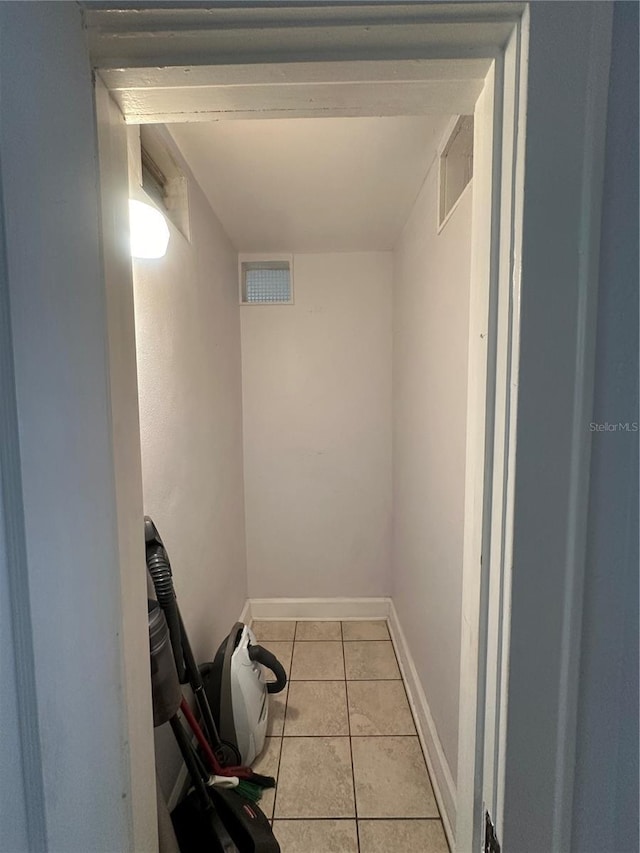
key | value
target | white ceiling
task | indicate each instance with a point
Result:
(311, 184)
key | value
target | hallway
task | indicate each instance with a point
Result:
(351, 776)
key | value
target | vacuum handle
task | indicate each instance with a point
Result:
(268, 659)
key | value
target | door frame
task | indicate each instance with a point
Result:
(152, 95)
(152, 48)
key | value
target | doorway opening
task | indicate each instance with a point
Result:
(320, 420)
(481, 93)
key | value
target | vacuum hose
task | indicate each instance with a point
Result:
(160, 571)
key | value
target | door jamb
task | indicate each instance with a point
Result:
(127, 465)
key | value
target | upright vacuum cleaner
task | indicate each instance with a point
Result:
(210, 819)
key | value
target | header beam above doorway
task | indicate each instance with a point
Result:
(297, 89)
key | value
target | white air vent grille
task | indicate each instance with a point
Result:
(266, 281)
(456, 166)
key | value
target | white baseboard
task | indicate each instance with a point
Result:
(444, 787)
(246, 616)
(319, 608)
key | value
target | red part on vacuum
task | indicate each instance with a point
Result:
(214, 764)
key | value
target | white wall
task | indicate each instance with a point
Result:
(66, 605)
(606, 786)
(13, 803)
(430, 344)
(188, 349)
(317, 431)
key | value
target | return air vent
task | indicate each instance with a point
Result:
(266, 280)
(455, 166)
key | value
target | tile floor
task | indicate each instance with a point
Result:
(351, 777)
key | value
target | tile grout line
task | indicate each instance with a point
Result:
(353, 772)
(387, 818)
(336, 640)
(353, 737)
(284, 720)
(324, 680)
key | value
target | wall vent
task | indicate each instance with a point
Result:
(455, 166)
(154, 181)
(162, 179)
(266, 279)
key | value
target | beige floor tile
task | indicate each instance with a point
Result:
(383, 836)
(266, 630)
(277, 703)
(283, 652)
(391, 778)
(318, 631)
(316, 836)
(317, 708)
(315, 778)
(379, 708)
(374, 629)
(267, 765)
(370, 659)
(317, 661)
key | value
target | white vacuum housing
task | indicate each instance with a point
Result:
(238, 691)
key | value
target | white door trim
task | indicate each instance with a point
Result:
(506, 367)
(127, 468)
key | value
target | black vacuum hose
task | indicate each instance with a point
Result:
(160, 571)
